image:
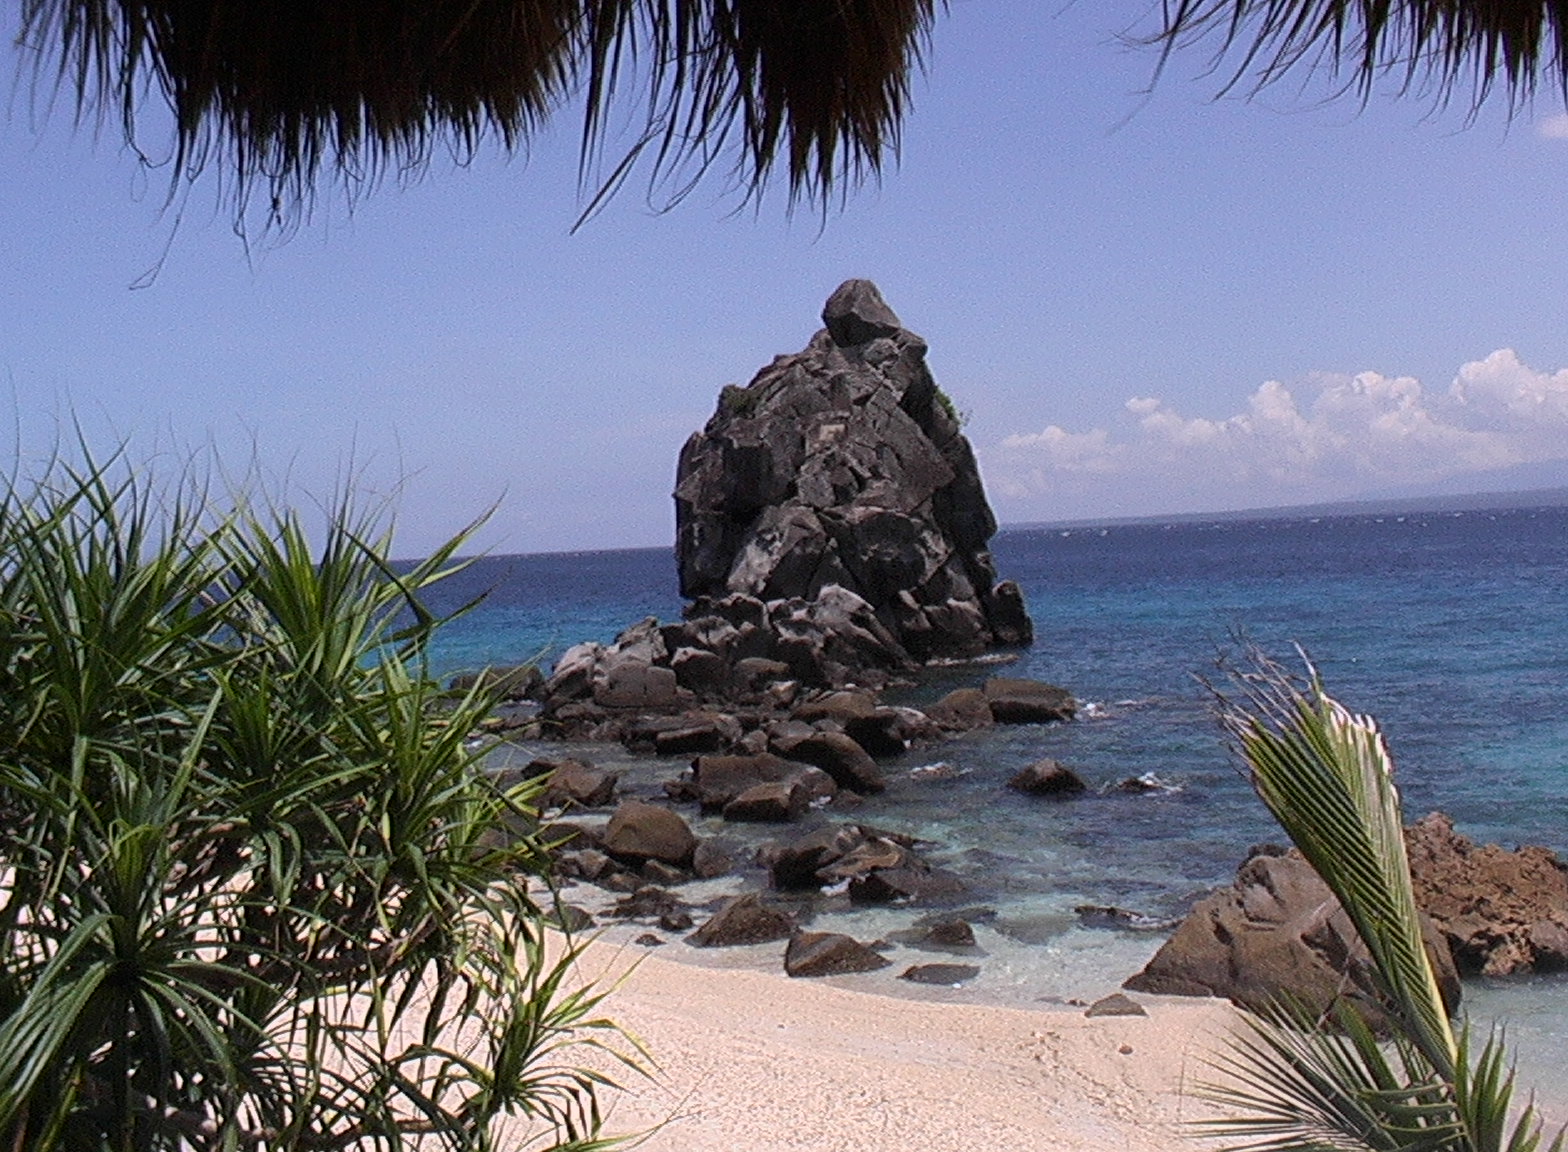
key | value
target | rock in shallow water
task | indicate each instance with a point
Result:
(829, 954)
(948, 974)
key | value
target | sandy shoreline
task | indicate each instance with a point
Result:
(754, 1061)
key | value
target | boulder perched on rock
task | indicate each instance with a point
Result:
(840, 473)
(716, 781)
(1500, 911)
(1277, 931)
(578, 783)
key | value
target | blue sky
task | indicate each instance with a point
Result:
(1147, 302)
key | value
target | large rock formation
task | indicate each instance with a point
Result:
(1277, 932)
(843, 466)
(1278, 929)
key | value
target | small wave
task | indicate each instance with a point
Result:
(1146, 784)
(941, 770)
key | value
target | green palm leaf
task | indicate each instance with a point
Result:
(1302, 1083)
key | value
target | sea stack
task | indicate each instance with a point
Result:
(844, 465)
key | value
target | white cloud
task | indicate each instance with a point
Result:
(1330, 437)
(1554, 127)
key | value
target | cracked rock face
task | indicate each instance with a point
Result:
(843, 465)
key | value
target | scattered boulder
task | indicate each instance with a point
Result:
(578, 783)
(950, 975)
(1048, 778)
(647, 903)
(888, 732)
(1116, 1004)
(711, 859)
(1277, 931)
(950, 932)
(839, 756)
(1123, 919)
(658, 872)
(1145, 785)
(841, 706)
(777, 802)
(962, 710)
(802, 864)
(1501, 912)
(1015, 701)
(743, 920)
(907, 883)
(687, 734)
(639, 831)
(829, 954)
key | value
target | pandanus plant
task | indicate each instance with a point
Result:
(1296, 1081)
(252, 894)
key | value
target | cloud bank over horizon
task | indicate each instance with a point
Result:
(1330, 437)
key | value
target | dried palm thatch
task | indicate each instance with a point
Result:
(276, 95)
(1431, 47)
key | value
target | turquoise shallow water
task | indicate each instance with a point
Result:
(1450, 628)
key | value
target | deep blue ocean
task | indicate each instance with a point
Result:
(1451, 628)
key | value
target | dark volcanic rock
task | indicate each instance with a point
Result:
(743, 920)
(839, 756)
(829, 954)
(948, 974)
(1014, 701)
(950, 932)
(842, 468)
(1048, 778)
(962, 710)
(773, 803)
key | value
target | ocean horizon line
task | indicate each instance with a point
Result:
(1554, 497)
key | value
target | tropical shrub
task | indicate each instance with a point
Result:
(251, 894)
(1295, 1081)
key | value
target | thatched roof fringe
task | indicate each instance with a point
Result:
(279, 94)
(1430, 47)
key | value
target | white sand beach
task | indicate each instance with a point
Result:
(755, 1061)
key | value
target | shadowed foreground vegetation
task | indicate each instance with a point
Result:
(251, 893)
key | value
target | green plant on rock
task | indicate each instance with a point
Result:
(251, 894)
(1294, 1081)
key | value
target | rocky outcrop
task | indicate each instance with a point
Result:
(1501, 912)
(1277, 931)
(1485, 910)
(840, 472)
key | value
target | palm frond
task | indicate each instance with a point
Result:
(1435, 46)
(1308, 1084)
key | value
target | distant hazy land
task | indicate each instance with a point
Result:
(1391, 506)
